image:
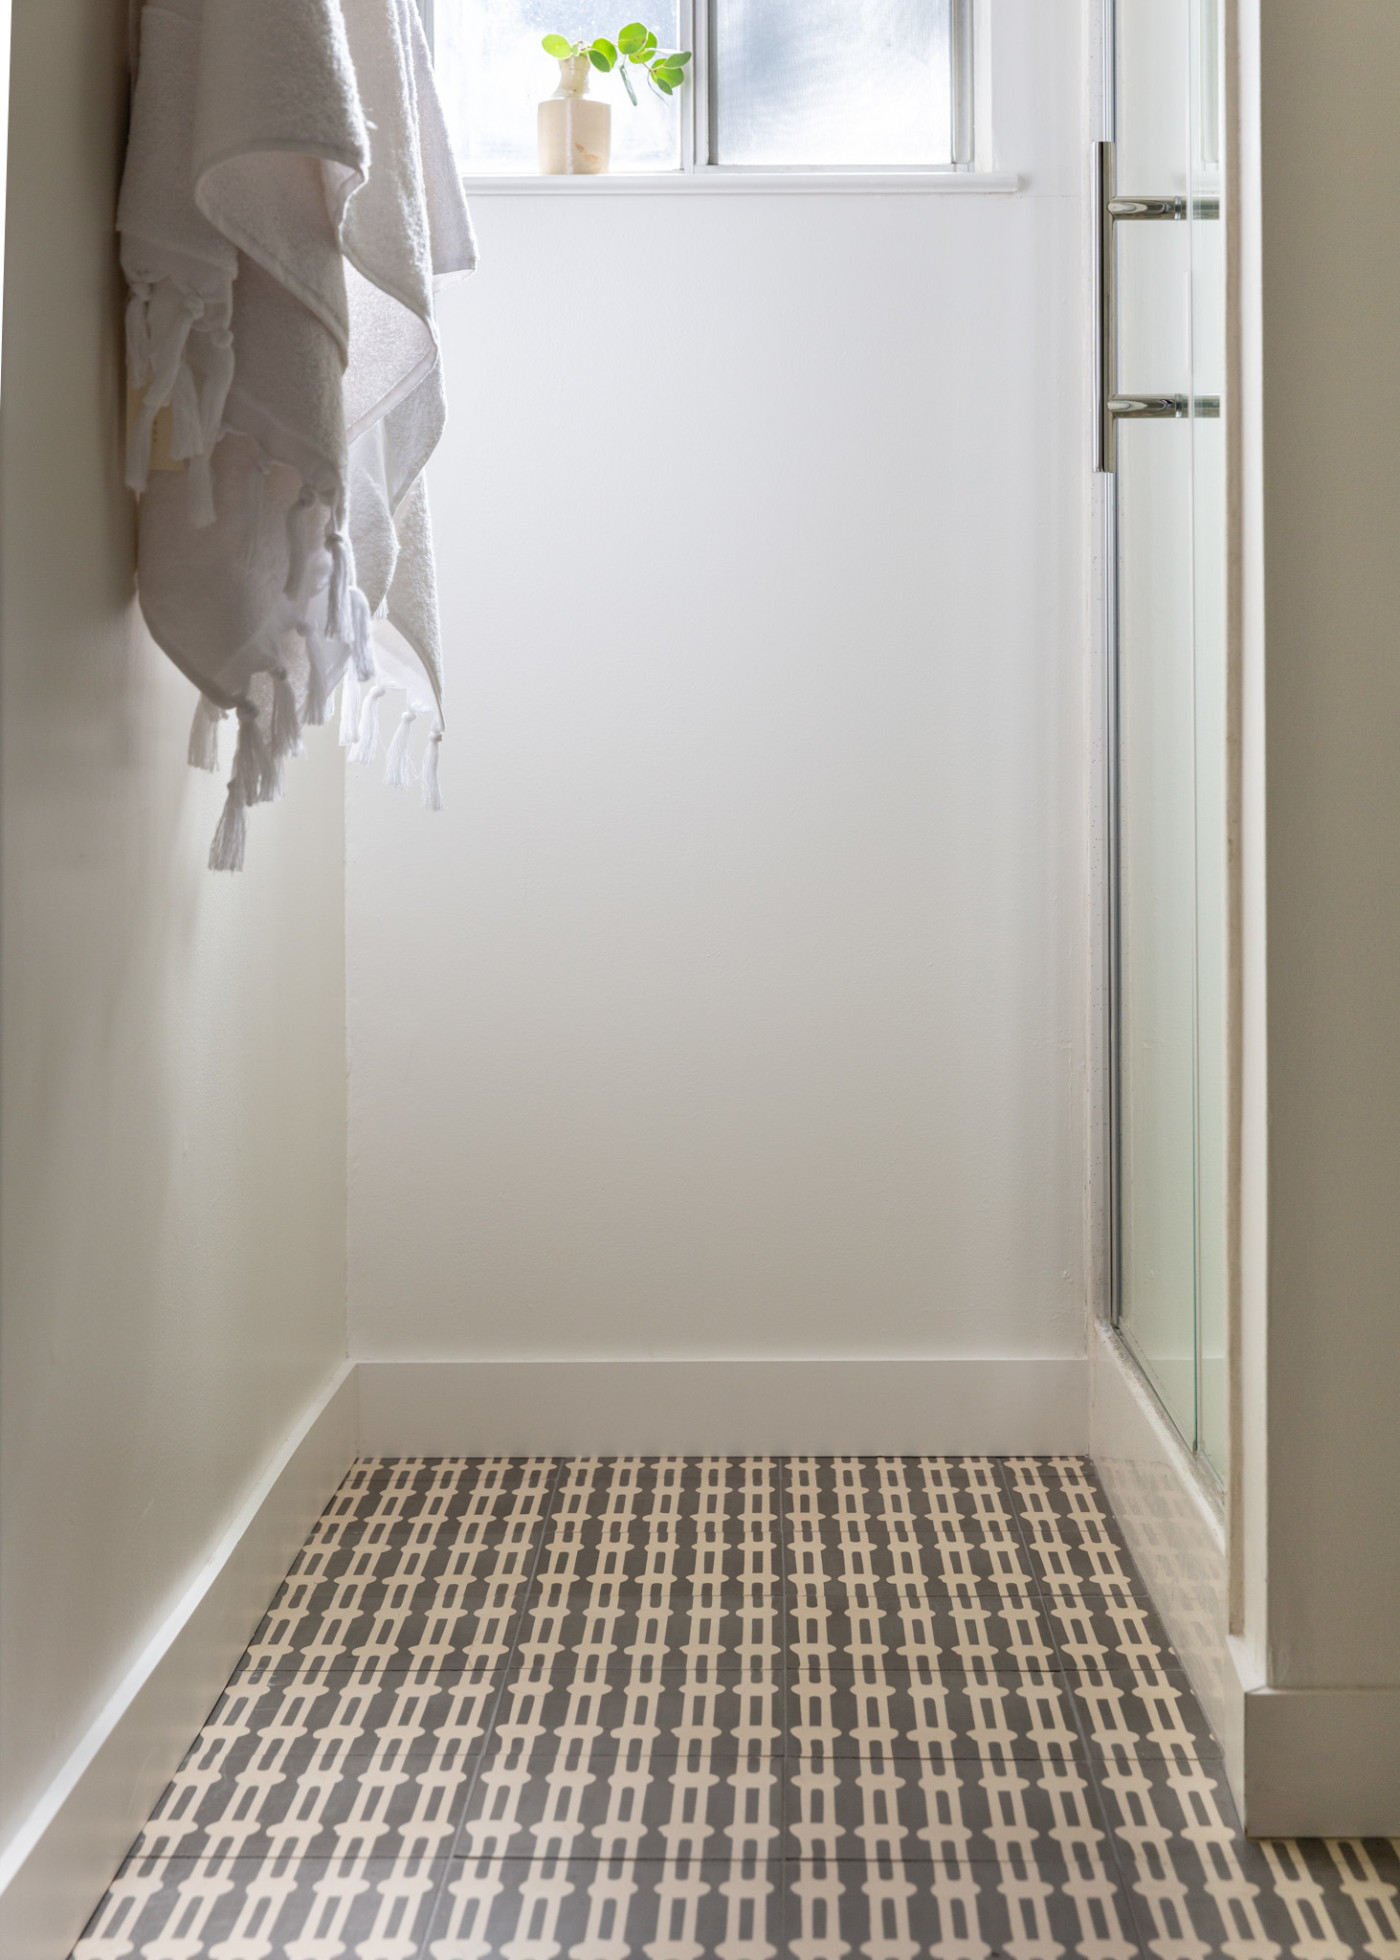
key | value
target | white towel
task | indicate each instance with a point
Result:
(290, 202)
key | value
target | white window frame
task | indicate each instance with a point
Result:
(970, 171)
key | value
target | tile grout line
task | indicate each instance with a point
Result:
(493, 1717)
(1138, 1905)
(1091, 1774)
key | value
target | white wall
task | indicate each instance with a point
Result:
(1319, 1556)
(736, 1005)
(1332, 518)
(172, 1059)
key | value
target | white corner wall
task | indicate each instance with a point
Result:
(1317, 1617)
(736, 1006)
(172, 1176)
(1332, 720)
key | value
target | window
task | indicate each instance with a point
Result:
(491, 73)
(796, 85)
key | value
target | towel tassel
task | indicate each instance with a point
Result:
(259, 778)
(203, 751)
(138, 336)
(164, 366)
(286, 724)
(245, 786)
(367, 747)
(213, 397)
(398, 768)
(186, 424)
(349, 710)
(201, 480)
(319, 689)
(138, 445)
(158, 369)
(226, 851)
(432, 787)
(361, 651)
(340, 623)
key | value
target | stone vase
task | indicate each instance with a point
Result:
(575, 132)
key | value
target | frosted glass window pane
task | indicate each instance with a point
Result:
(492, 73)
(845, 82)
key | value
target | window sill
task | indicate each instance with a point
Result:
(755, 183)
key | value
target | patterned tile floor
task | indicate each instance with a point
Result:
(673, 1707)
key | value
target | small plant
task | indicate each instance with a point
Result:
(636, 47)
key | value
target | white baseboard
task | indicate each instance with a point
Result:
(1036, 1406)
(60, 1865)
(1173, 1528)
(1322, 1762)
(54, 1873)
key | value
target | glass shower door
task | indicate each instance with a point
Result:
(1207, 234)
(1163, 318)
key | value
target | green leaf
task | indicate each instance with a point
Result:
(556, 45)
(677, 60)
(603, 55)
(650, 42)
(660, 81)
(627, 84)
(632, 38)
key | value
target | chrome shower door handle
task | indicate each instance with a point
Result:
(1162, 408)
(1110, 407)
(1146, 408)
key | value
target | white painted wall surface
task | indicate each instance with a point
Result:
(1316, 1606)
(1331, 518)
(172, 1060)
(736, 1005)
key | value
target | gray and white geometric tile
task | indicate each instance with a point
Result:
(673, 1707)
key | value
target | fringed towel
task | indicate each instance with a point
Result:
(289, 205)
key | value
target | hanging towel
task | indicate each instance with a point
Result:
(289, 205)
(405, 234)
